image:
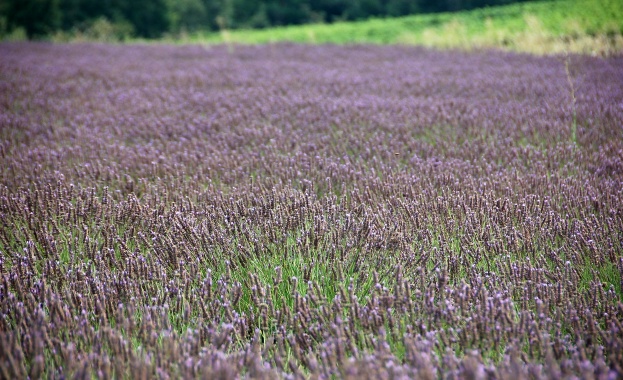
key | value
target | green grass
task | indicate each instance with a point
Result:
(580, 26)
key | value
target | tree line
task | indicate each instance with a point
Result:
(152, 18)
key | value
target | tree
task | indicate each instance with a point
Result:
(37, 17)
(188, 15)
(149, 17)
(71, 13)
(401, 7)
(288, 12)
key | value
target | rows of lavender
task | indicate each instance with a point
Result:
(309, 212)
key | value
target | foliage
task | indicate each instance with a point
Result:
(292, 211)
(98, 30)
(37, 17)
(152, 18)
(581, 26)
(148, 17)
(42, 18)
(554, 26)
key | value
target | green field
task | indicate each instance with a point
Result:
(579, 26)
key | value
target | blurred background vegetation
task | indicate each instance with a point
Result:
(124, 19)
(542, 27)
(592, 27)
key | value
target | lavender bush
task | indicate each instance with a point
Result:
(309, 212)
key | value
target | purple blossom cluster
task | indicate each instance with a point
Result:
(289, 211)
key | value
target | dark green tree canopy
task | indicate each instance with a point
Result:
(37, 17)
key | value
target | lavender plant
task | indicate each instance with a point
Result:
(292, 211)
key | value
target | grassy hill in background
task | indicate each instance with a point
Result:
(578, 26)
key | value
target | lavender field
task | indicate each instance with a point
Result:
(289, 211)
